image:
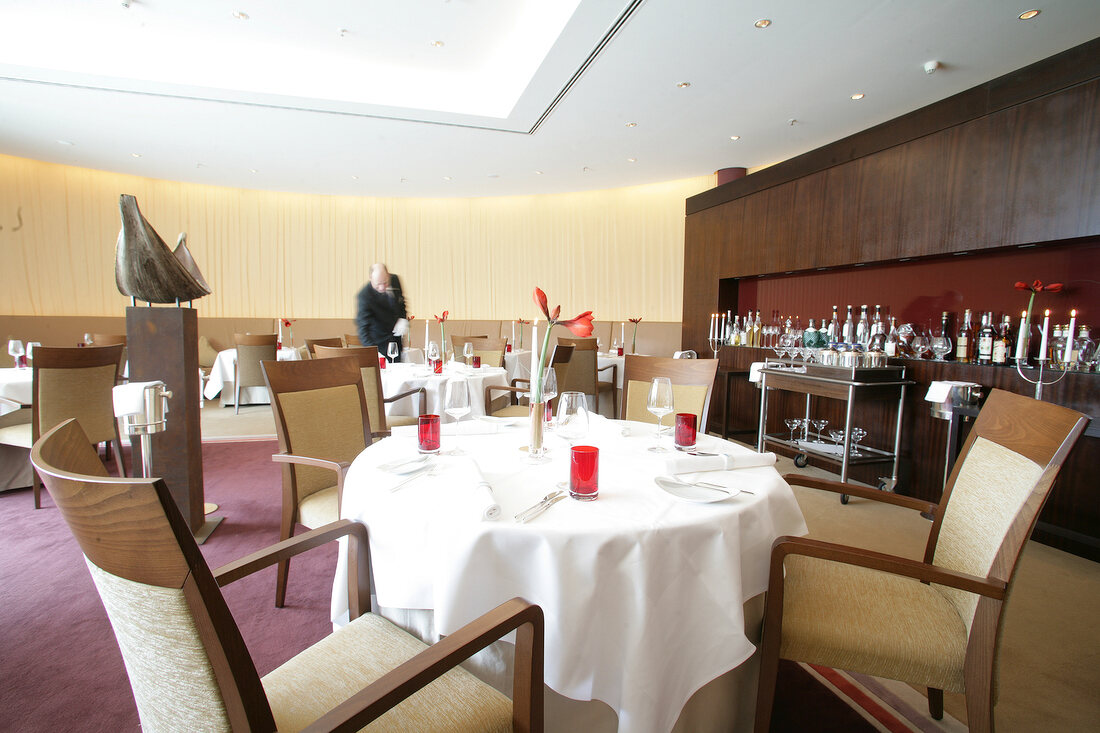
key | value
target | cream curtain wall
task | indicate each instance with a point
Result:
(616, 252)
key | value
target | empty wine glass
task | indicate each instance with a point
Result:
(660, 403)
(392, 351)
(87, 339)
(468, 353)
(572, 416)
(433, 351)
(837, 436)
(858, 434)
(549, 390)
(793, 423)
(456, 403)
(820, 426)
(941, 346)
(920, 346)
(31, 345)
(15, 348)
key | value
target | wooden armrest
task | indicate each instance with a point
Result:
(917, 570)
(515, 382)
(419, 390)
(358, 559)
(527, 695)
(864, 492)
(515, 392)
(340, 467)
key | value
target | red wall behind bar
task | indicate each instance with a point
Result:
(919, 291)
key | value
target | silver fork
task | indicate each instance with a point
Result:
(426, 471)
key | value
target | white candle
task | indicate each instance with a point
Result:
(535, 355)
(427, 336)
(1069, 337)
(722, 327)
(622, 333)
(1024, 325)
(713, 325)
(513, 334)
(1043, 337)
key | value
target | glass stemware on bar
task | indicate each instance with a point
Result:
(921, 347)
(858, 434)
(837, 436)
(941, 346)
(793, 423)
(660, 403)
(820, 426)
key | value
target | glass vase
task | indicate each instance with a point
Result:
(536, 450)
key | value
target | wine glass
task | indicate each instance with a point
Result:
(15, 348)
(87, 339)
(572, 416)
(920, 346)
(820, 426)
(660, 403)
(837, 436)
(858, 434)
(941, 346)
(31, 345)
(549, 389)
(456, 403)
(468, 353)
(433, 351)
(793, 423)
(599, 345)
(391, 351)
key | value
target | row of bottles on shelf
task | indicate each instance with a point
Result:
(988, 343)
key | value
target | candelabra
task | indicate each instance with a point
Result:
(715, 345)
(1038, 381)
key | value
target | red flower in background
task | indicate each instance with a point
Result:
(442, 318)
(1036, 286)
(288, 321)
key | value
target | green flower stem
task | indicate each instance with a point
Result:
(536, 378)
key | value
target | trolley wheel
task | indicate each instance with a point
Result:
(843, 498)
(882, 486)
(801, 460)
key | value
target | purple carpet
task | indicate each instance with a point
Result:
(60, 667)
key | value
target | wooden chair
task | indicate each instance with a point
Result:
(188, 665)
(935, 623)
(351, 340)
(321, 420)
(110, 339)
(312, 343)
(76, 383)
(251, 350)
(367, 358)
(490, 350)
(692, 380)
(521, 387)
(583, 372)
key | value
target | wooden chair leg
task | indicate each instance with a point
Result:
(37, 490)
(935, 703)
(286, 531)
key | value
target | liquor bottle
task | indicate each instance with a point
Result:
(757, 336)
(727, 337)
(986, 337)
(833, 331)
(746, 338)
(848, 332)
(891, 344)
(944, 332)
(964, 347)
(877, 326)
(809, 336)
(863, 328)
(1003, 343)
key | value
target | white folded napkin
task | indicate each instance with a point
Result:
(486, 503)
(754, 371)
(684, 463)
(129, 399)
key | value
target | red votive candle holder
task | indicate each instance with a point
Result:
(584, 472)
(685, 431)
(508, 348)
(476, 361)
(619, 351)
(427, 434)
(381, 362)
(437, 366)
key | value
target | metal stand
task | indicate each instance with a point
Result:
(1038, 381)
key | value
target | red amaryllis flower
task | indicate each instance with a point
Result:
(634, 320)
(288, 321)
(580, 326)
(1036, 286)
(442, 318)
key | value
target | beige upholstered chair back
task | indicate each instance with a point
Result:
(76, 382)
(321, 412)
(189, 670)
(372, 379)
(251, 350)
(491, 351)
(311, 344)
(581, 374)
(691, 379)
(351, 340)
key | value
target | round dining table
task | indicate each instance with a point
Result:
(401, 377)
(644, 588)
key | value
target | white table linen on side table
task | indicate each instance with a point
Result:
(643, 593)
(401, 377)
(15, 385)
(221, 378)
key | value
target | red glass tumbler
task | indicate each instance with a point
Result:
(685, 431)
(437, 366)
(584, 472)
(381, 362)
(427, 434)
(619, 351)
(476, 360)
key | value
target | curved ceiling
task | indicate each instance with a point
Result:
(445, 98)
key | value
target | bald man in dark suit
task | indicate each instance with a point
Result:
(381, 318)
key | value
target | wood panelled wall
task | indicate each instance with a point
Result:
(1012, 162)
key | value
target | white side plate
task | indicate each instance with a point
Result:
(694, 494)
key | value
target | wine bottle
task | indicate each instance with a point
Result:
(986, 337)
(964, 348)
(848, 332)
(1003, 343)
(863, 328)
(833, 331)
(876, 323)
(891, 345)
(944, 317)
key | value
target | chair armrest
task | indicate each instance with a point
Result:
(864, 492)
(419, 390)
(527, 695)
(915, 569)
(614, 372)
(358, 559)
(515, 392)
(515, 382)
(340, 467)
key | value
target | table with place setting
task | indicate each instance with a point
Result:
(221, 378)
(644, 588)
(15, 387)
(400, 377)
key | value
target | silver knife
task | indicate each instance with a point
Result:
(537, 511)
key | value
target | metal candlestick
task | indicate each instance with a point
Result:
(1038, 381)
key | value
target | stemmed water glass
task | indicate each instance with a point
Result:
(456, 403)
(793, 423)
(572, 416)
(392, 351)
(858, 434)
(87, 339)
(941, 346)
(660, 403)
(15, 348)
(820, 426)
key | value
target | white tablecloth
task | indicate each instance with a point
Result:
(221, 378)
(15, 385)
(643, 593)
(517, 364)
(401, 377)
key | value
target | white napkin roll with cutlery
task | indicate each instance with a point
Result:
(722, 462)
(486, 503)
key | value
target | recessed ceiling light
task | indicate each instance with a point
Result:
(65, 142)
(792, 122)
(342, 32)
(355, 178)
(135, 155)
(240, 15)
(404, 180)
(253, 170)
(538, 173)
(631, 160)
(494, 175)
(857, 96)
(585, 169)
(735, 137)
(436, 44)
(1029, 14)
(200, 165)
(684, 84)
(632, 124)
(762, 23)
(447, 178)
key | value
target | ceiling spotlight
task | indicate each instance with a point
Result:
(125, 3)
(684, 84)
(792, 122)
(1029, 14)
(585, 169)
(200, 165)
(447, 178)
(735, 137)
(342, 32)
(404, 180)
(931, 66)
(631, 160)
(762, 23)
(538, 173)
(253, 170)
(240, 15)
(135, 155)
(857, 96)
(632, 124)
(65, 142)
(494, 175)
(436, 44)
(355, 178)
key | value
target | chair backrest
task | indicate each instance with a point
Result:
(459, 342)
(311, 343)
(188, 665)
(320, 411)
(490, 350)
(104, 339)
(367, 357)
(351, 340)
(75, 382)
(996, 490)
(691, 379)
(581, 374)
(251, 350)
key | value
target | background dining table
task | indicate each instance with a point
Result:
(644, 592)
(15, 385)
(402, 376)
(221, 378)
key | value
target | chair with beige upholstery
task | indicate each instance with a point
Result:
(691, 379)
(113, 339)
(251, 350)
(491, 351)
(188, 665)
(584, 370)
(311, 343)
(76, 383)
(521, 387)
(321, 420)
(935, 623)
(367, 357)
(352, 340)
